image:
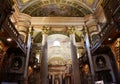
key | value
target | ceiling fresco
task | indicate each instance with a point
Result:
(55, 10)
(63, 8)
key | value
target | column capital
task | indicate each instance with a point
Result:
(45, 30)
(71, 30)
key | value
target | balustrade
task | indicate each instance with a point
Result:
(11, 30)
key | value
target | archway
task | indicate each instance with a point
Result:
(59, 58)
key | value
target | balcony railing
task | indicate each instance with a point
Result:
(102, 36)
(11, 30)
(95, 43)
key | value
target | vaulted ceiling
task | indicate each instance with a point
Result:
(64, 8)
(57, 8)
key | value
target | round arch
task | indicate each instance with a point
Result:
(77, 5)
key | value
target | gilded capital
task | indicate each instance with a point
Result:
(45, 30)
(71, 30)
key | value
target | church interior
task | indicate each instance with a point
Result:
(59, 41)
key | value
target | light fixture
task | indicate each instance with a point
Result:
(109, 39)
(9, 39)
(34, 66)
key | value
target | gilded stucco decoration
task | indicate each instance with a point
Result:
(25, 1)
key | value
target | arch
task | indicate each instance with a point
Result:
(61, 51)
(78, 5)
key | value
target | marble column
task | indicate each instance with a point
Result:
(44, 64)
(87, 46)
(29, 41)
(53, 78)
(60, 78)
(75, 63)
(23, 27)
